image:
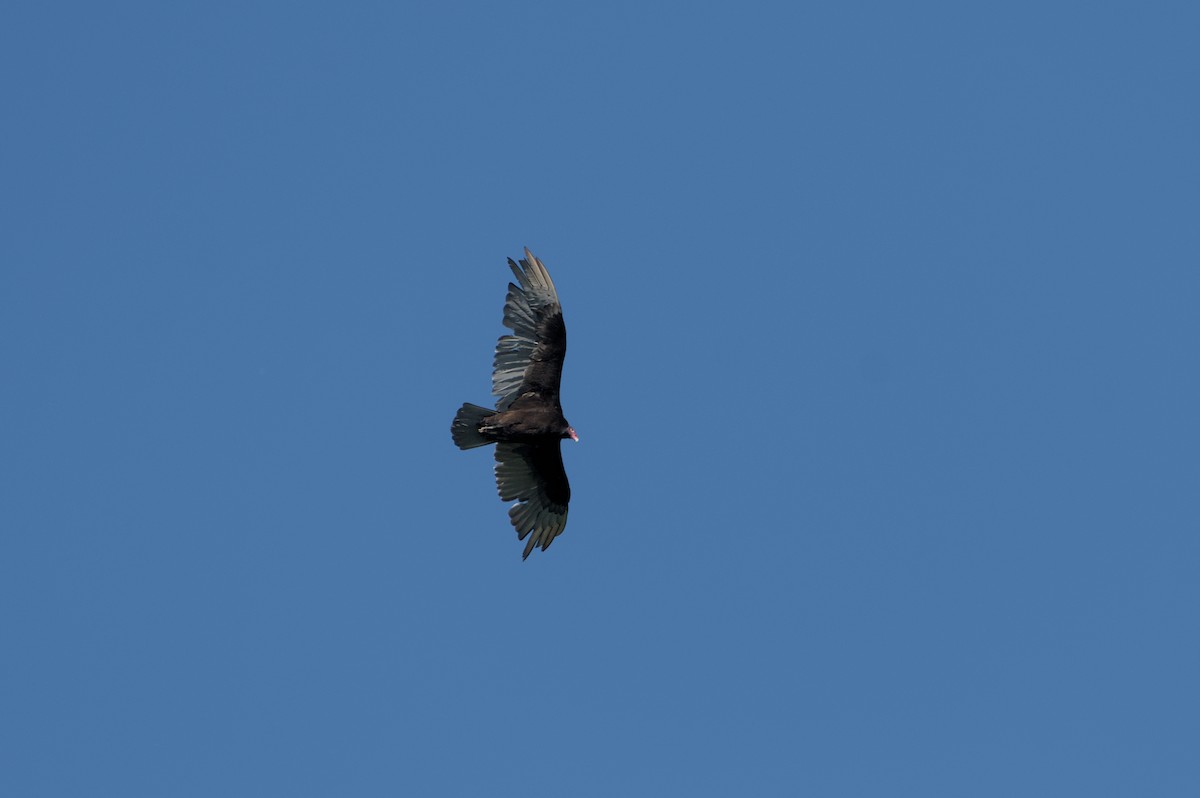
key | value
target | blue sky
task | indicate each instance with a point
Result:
(883, 353)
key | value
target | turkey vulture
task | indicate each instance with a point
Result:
(527, 425)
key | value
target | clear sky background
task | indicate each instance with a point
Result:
(883, 352)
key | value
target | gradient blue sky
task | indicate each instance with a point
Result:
(883, 352)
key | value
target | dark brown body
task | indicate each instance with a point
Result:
(537, 424)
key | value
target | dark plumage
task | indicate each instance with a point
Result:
(527, 425)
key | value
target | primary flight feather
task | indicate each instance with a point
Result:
(527, 425)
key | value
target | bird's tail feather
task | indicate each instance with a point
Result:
(465, 429)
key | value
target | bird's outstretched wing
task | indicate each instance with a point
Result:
(534, 477)
(530, 360)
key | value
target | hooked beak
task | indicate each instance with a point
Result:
(571, 432)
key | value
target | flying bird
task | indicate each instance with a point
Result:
(527, 425)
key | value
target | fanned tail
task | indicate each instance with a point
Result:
(465, 428)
